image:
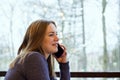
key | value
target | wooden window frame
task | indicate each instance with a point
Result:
(85, 74)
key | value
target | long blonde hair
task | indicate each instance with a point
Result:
(33, 42)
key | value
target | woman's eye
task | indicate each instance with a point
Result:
(51, 34)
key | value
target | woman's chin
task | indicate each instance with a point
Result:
(55, 51)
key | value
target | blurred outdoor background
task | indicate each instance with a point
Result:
(90, 29)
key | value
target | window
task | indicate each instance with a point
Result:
(89, 29)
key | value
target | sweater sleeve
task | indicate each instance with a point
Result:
(64, 71)
(36, 67)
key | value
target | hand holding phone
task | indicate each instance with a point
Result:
(59, 52)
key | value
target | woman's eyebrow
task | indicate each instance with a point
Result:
(52, 32)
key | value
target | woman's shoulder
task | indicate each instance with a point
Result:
(33, 53)
(35, 56)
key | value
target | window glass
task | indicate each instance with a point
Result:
(90, 29)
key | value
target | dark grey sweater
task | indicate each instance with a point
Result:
(35, 67)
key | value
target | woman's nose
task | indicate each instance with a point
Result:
(56, 38)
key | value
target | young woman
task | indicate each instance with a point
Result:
(36, 53)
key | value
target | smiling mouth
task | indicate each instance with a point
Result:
(56, 44)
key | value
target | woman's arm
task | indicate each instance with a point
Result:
(36, 67)
(64, 71)
(64, 65)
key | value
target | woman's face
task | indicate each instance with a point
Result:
(50, 40)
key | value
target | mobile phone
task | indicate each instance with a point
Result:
(59, 52)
